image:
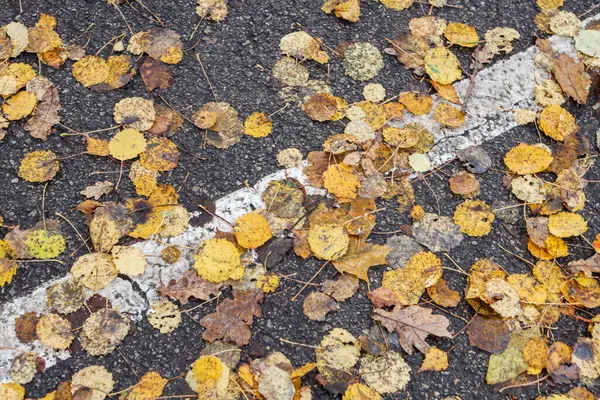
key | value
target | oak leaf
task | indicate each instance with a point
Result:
(413, 325)
(233, 317)
(189, 285)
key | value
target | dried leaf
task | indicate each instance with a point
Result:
(413, 325)
(572, 77)
(155, 75)
(45, 115)
(98, 190)
(189, 285)
(232, 319)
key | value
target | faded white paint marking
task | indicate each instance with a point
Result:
(506, 85)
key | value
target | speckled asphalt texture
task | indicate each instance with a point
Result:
(238, 55)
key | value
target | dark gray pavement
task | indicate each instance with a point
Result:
(233, 52)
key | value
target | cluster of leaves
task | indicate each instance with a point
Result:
(372, 159)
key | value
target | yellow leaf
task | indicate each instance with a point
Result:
(96, 270)
(549, 4)
(555, 248)
(416, 103)
(211, 375)
(127, 144)
(218, 260)
(566, 224)
(91, 70)
(357, 261)
(535, 354)
(129, 260)
(442, 66)
(268, 283)
(328, 241)
(19, 105)
(21, 72)
(11, 391)
(258, 125)
(408, 283)
(8, 269)
(525, 159)
(557, 122)
(42, 244)
(150, 386)
(359, 391)
(340, 181)
(143, 179)
(447, 92)
(461, 34)
(435, 360)
(39, 166)
(474, 217)
(54, 331)
(164, 316)
(397, 5)
(448, 115)
(161, 154)
(97, 147)
(252, 230)
(400, 137)
(345, 9)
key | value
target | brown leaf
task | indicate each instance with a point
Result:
(537, 229)
(413, 324)
(383, 297)
(587, 266)
(317, 305)
(442, 295)
(189, 285)
(572, 77)
(155, 74)
(97, 190)
(489, 334)
(232, 319)
(25, 327)
(45, 115)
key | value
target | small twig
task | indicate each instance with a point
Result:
(476, 68)
(127, 362)
(215, 215)
(437, 201)
(518, 256)
(298, 344)
(120, 176)
(124, 19)
(310, 281)
(75, 229)
(212, 89)
(44, 205)
(542, 379)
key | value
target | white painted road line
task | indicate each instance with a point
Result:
(506, 85)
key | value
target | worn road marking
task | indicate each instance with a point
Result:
(507, 84)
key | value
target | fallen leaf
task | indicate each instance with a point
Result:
(386, 374)
(572, 77)
(94, 378)
(218, 260)
(232, 319)
(39, 166)
(317, 305)
(164, 316)
(103, 331)
(98, 190)
(490, 334)
(435, 360)
(189, 285)
(357, 261)
(45, 115)
(413, 325)
(155, 75)
(525, 159)
(442, 66)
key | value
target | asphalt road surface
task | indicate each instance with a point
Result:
(238, 55)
